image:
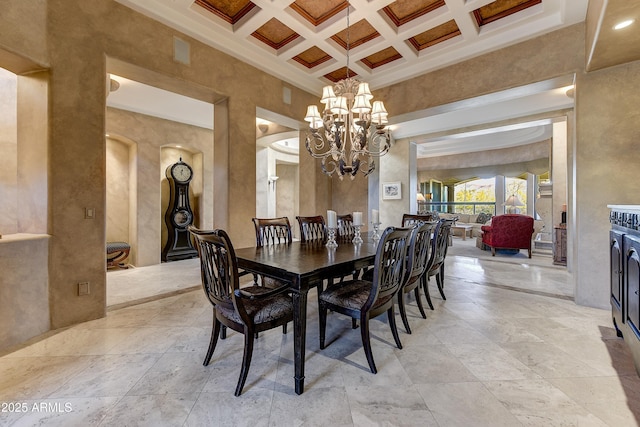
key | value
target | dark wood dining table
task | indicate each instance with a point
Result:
(305, 265)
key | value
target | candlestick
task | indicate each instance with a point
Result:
(375, 234)
(357, 239)
(375, 216)
(331, 238)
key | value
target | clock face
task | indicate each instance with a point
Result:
(182, 218)
(181, 172)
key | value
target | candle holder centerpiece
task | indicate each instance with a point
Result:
(331, 238)
(357, 225)
(332, 226)
(375, 234)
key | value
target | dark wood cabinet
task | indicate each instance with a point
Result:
(616, 263)
(560, 246)
(624, 271)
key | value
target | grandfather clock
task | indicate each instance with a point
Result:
(179, 214)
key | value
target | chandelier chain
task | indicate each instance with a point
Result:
(348, 34)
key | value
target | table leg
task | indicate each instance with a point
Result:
(299, 337)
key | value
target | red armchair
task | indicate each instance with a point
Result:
(510, 231)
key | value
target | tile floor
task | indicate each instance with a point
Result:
(490, 355)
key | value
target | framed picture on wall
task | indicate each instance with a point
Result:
(391, 190)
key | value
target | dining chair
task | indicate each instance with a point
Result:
(272, 231)
(246, 310)
(346, 230)
(417, 262)
(312, 228)
(362, 299)
(435, 266)
(410, 219)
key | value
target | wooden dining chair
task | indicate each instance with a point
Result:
(410, 219)
(312, 228)
(272, 231)
(362, 299)
(417, 262)
(435, 266)
(246, 310)
(346, 230)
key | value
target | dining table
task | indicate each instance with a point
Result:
(305, 265)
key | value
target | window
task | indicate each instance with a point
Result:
(516, 187)
(476, 191)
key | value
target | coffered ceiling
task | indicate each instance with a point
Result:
(305, 41)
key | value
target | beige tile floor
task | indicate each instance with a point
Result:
(492, 354)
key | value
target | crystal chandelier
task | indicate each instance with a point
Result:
(348, 119)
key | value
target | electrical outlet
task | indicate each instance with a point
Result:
(83, 288)
(89, 213)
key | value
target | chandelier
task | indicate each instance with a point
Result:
(350, 120)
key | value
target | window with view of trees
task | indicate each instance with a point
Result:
(476, 191)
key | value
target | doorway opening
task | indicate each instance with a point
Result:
(151, 123)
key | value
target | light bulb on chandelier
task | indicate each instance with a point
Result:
(348, 119)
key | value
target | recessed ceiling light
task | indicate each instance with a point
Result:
(623, 24)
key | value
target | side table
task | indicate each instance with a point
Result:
(560, 246)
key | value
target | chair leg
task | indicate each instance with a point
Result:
(366, 343)
(419, 301)
(439, 282)
(223, 333)
(246, 360)
(529, 251)
(354, 323)
(493, 251)
(322, 320)
(215, 330)
(394, 329)
(403, 311)
(425, 288)
(284, 329)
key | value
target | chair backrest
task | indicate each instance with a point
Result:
(272, 231)
(421, 245)
(218, 266)
(410, 219)
(439, 244)
(390, 264)
(345, 226)
(312, 228)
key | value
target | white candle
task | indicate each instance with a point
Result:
(375, 216)
(357, 218)
(332, 219)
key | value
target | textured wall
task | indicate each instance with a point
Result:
(286, 188)
(8, 148)
(606, 164)
(24, 306)
(117, 191)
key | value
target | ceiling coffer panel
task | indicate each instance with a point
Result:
(229, 10)
(382, 57)
(275, 34)
(501, 9)
(312, 57)
(403, 11)
(317, 12)
(435, 35)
